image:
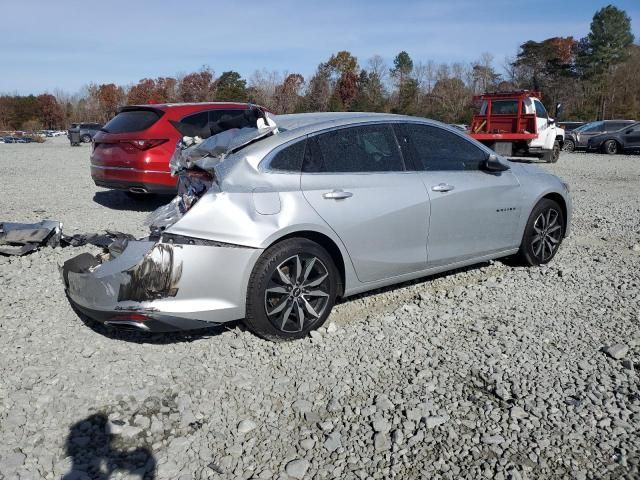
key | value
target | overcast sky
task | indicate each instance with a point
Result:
(47, 44)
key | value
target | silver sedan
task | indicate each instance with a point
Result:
(311, 207)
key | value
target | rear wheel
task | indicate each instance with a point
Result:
(569, 146)
(543, 234)
(291, 290)
(610, 147)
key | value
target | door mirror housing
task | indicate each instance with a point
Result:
(494, 164)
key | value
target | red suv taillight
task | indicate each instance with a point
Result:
(133, 146)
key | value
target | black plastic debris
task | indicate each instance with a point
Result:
(22, 238)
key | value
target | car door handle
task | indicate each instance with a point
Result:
(442, 187)
(337, 195)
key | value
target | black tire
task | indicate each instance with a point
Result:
(268, 287)
(555, 153)
(85, 138)
(569, 146)
(542, 237)
(610, 147)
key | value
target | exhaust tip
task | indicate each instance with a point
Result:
(138, 190)
(127, 325)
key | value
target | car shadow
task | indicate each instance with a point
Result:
(117, 200)
(157, 338)
(509, 261)
(95, 454)
(526, 160)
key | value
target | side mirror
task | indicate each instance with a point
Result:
(494, 164)
(559, 109)
(551, 121)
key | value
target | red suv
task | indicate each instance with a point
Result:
(132, 151)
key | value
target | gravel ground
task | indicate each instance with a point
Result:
(493, 372)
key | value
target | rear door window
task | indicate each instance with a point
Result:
(200, 119)
(615, 126)
(437, 149)
(131, 121)
(360, 149)
(218, 114)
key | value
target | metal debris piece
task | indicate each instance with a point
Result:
(22, 238)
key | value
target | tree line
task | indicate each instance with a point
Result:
(595, 77)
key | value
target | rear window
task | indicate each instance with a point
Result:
(500, 107)
(132, 121)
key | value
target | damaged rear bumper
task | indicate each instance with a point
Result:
(162, 286)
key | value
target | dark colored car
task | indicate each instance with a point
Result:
(132, 151)
(578, 138)
(87, 130)
(626, 139)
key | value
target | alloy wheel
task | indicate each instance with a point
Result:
(547, 234)
(611, 147)
(297, 294)
(569, 146)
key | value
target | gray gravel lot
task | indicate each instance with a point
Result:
(492, 372)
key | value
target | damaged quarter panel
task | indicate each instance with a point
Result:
(234, 214)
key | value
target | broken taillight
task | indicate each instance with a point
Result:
(134, 146)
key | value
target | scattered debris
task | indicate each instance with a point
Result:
(22, 238)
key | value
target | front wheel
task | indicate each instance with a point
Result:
(86, 138)
(291, 291)
(610, 147)
(543, 234)
(569, 146)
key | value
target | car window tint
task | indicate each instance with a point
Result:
(132, 121)
(595, 127)
(367, 148)
(435, 148)
(218, 114)
(289, 158)
(199, 119)
(541, 112)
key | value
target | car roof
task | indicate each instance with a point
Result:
(312, 122)
(163, 106)
(297, 125)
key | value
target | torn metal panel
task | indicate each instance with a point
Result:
(195, 162)
(23, 238)
(156, 276)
